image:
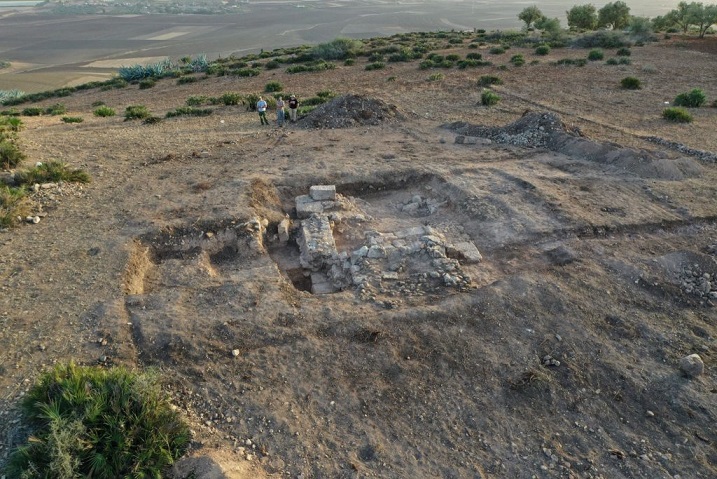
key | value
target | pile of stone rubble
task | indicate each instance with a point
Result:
(407, 262)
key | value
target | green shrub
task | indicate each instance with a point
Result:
(678, 115)
(631, 83)
(95, 422)
(517, 60)
(104, 111)
(624, 61)
(272, 65)
(488, 98)
(273, 86)
(375, 66)
(51, 172)
(487, 80)
(231, 99)
(312, 67)
(474, 56)
(33, 111)
(196, 100)
(692, 99)
(136, 112)
(10, 112)
(13, 204)
(10, 154)
(187, 79)
(97, 103)
(453, 57)
(56, 109)
(602, 39)
(612, 61)
(542, 50)
(595, 55)
(246, 72)
(338, 49)
(72, 119)
(147, 83)
(349, 61)
(375, 57)
(189, 111)
(9, 124)
(496, 51)
(623, 52)
(579, 62)
(436, 77)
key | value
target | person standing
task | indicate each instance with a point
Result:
(280, 112)
(293, 106)
(261, 108)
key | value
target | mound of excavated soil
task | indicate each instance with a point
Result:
(547, 130)
(349, 111)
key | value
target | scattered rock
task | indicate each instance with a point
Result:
(692, 365)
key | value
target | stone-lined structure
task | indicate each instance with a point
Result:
(412, 261)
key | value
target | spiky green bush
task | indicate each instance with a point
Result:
(517, 60)
(99, 423)
(230, 99)
(196, 100)
(10, 95)
(139, 72)
(104, 111)
(678, 115)
(488, 98)
(10, 154)
(136, 112)
(51, 172)
(13, 204)
(694, 98)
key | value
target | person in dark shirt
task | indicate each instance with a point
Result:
(293, 106)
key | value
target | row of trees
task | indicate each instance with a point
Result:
(616, 16)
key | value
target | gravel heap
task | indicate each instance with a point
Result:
(350, 111)
(532, 130)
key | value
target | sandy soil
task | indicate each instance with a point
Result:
(559, 359)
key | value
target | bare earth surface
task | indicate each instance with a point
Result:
(557, 355)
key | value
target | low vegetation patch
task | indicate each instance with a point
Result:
(95, 422)
(189, 111)
(375, 66)
(694, 98)
(517, 60)
(10, 154)
(72, 119)
(104, 111)
(136, 112)
(595, 55)
(13, 204)
(623, 52)
(273, 86)
(488, 98)
(542, 50)
(51, 172)
(32, 111)
(676, 114)
(313, 67)
(578, 62)
(631, 83)
(147, 83)
(487, 80)
(56, 109)
(436, 77)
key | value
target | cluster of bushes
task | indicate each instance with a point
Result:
(694, 98)
(64, 92)
(10, 153)
(164, 68)
(188, 111)
(314, 66)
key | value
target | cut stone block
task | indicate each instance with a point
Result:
(306, 206)
(320, 284)
(416, 231)
(283, 228)
(316, 243)
(466, 251)
(323, 192)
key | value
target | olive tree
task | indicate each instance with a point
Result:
(530, 15)
(615, 15)
(703, 17)
(582, 17)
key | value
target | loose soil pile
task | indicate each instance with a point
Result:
(351, 111)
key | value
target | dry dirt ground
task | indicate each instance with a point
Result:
(555, 356)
